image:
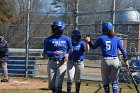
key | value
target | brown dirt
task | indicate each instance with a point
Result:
(36, 83)
(22, 83)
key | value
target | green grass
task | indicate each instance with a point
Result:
(86, 87)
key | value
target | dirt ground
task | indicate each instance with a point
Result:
(35, 83)
(22, 83)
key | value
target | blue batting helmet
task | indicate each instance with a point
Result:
(59, 23)
(76, 32)
(107, 26)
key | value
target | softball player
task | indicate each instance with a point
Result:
(109, 44)
(56, 48)
(75, 64)
(4, 58)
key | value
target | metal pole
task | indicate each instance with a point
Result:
(27, 39)
(76, 14)
(113, 15)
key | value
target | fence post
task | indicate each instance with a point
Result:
(76, 14)
(113, 14)
(27, 39)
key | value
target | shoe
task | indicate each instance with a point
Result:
(4, 80)
(53, 91)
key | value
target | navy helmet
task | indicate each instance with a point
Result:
(76, 35)
(59, 23)
(107, 26)
(76, 32)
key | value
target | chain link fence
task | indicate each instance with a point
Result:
(90, 15)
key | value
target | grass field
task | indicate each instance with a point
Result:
(37, 85)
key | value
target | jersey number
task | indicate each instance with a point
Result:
(108, 45)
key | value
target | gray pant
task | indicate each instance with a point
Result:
(74, 71)
(56, 73)
(110, 70)
(3, 64)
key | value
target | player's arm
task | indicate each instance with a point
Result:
(87, 47)
(97, 43)
(4, 49)
(120, 46)
(69, 49)
(69, 46)
(46, 50)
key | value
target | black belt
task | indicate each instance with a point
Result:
(56, 59)
(76, 60)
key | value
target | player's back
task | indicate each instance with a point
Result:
(109, 45)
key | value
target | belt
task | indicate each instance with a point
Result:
(56, 59)
(110, 57)
(76, 60)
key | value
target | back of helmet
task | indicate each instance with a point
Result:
(107, 28)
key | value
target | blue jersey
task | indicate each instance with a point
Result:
(53, 44)
(109, 46)
(78, 51)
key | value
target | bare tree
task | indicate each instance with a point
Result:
(5, 11)
(19, 9)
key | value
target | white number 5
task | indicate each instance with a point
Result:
(108, 45)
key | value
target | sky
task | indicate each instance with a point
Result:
(47, 7)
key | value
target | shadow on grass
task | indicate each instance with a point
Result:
(66, 92)
(44, 89)
(100, 87)
(50, 90)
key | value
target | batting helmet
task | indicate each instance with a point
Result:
(107, 26)
(59, 23)
(76, 32)
(76, 35)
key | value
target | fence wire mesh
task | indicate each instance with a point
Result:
(91, 14)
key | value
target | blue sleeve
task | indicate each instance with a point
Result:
(83, 45)
(47, 47)
(120, 46)
(96, 44)
(69, 42)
